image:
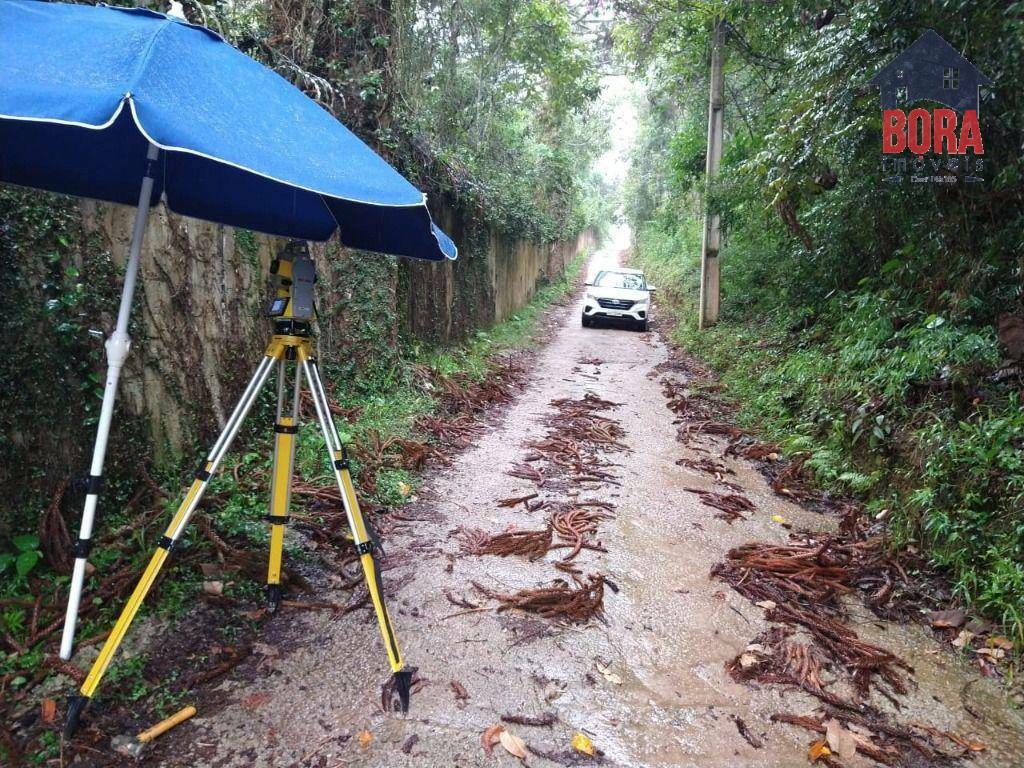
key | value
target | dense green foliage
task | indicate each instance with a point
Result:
(56, 282)
(501, 96)
(859, 317)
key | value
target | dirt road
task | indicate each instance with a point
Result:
(647, 684)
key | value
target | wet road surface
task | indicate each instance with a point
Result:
(647, 684)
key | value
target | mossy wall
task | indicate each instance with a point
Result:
(493, 277)
(198, 327)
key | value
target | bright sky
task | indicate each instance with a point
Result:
(618, 94)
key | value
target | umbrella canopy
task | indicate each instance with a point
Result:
(84, 90)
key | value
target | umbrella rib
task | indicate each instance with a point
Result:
(140, 68)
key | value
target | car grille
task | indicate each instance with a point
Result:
(615, 303)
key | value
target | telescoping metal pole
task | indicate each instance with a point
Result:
(117, 347)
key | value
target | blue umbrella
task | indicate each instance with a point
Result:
(134, 107)
(84, 92)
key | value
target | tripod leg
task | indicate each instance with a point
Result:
(285, 429)
(167, 543)
(362, 535)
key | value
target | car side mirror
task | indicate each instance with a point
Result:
(651, 289)
(589, 285)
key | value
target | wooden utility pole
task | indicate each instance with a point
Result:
(709, 285)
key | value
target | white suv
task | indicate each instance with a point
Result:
(618, 294)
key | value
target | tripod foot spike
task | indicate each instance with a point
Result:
(76, 704)
(273, 597)
(403, 685)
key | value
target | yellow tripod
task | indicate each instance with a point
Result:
(292, 309)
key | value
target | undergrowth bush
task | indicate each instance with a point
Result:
(858, 317)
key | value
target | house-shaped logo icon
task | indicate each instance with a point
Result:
(930, 69)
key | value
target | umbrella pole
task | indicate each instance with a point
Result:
(117, 347)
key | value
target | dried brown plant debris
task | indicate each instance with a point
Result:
(471, 540)
(755, 451)
(708, 427)
(803, 585)
(881, 738)
(517, 500)
(576, 524)
(794, 481)
(542, 720)
(557, 601)
(732, 505)
(532, 544)
(707, 465)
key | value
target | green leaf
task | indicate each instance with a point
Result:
(26, 542)
(26, 562)
(5, 561)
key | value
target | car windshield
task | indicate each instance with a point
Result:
(629, 281)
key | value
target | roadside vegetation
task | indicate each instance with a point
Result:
(874, 330)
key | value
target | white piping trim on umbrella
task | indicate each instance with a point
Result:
(158, 15)
(322, 195)
(171, 148)
(72, 123)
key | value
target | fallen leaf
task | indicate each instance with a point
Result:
(582, 744)
(254, 701)
(48, 710)
(979, 626)
(840, 740)
(490, 737)
(863, 738)
(778, 519)
(768, 605)
(992, 653)
(610, 676)
(748, 660)
(365, 737)
(963, 639)
(404, 488)
(1003, 643)
(265, 649)
(513, 744)
(952, 618)
(215, 588)
(460, 690)
(818, 751)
